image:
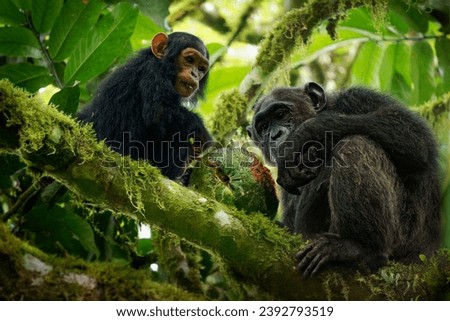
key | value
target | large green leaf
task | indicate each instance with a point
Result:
(57, 227)
(225, 78)
(403, 61)
(395, 71)
(398, 22)
(26, 75)
(44, 13)
(24, 5)
(144, 32)
(321, 43)
(356, 29)
(443, 54)
(359, 18)
(157, 10)
(387, 68)
(422, 72)
(222, 79)
(74, 22)
(101, 47)
(362, 19)
(366, 65)
(401, 88)
(67, 99)
(10, 14)
(416, 20)
(216, 51)
(18, 42)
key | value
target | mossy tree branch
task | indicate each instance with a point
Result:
(256, 251)
(297, 25)
(29, 274)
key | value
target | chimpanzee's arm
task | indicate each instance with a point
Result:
(404, 136)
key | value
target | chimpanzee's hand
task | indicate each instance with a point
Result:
(333, 248)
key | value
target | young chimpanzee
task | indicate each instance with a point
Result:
(139, 110)
(369, 196)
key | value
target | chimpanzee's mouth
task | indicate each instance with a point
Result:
(187, 85)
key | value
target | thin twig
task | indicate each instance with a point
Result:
(242, 23)
(48, 60)
(22, 200)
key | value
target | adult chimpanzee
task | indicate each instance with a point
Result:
(372, 196)
(139, 109)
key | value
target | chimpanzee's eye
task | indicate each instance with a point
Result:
(280, 114)
(190, 59)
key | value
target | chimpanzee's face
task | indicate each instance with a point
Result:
(276, 117)
(192, 66)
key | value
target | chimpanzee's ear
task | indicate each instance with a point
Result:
(317, 95)
(159, 44)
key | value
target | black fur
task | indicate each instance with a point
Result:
(139, 113)
(370, 196)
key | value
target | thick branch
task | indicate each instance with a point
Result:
(28, 274)
(254, 249)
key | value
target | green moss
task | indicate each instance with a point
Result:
(118, 283)
(434, 110)
(429, 280)
(51, 129)
(179, 260)
(139, 177)
(180, 9)
(296, 26)
(106, 281)
(233, 107)
(235, 177)
(336, 286)
(10, 250)
(44, 142)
